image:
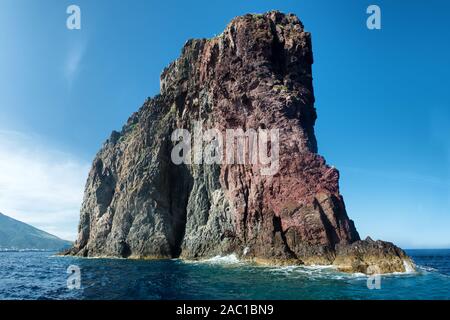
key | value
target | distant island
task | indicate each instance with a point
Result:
(16, 235)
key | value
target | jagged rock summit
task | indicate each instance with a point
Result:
(255, 75)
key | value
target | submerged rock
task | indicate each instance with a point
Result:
(256, 75)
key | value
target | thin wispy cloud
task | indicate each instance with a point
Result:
(40, 185)
(74, 60)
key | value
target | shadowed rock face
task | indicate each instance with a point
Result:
(255, 75)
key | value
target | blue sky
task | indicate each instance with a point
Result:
(383, 100)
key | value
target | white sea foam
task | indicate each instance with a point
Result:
(427, 269)
(408, 267)
(313, 271)
(224, 260)
(331, 272)
(229, 259)
(320, 267)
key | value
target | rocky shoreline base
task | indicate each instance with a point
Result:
(364, 256)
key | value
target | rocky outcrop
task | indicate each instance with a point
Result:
(372, 257)
(256, 75)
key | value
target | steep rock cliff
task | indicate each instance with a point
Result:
(255, 75)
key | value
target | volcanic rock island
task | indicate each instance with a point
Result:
(255, 75)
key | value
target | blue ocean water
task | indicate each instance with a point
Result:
(42, 275)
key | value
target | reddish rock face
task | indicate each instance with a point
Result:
(258, 74)
(255, 75)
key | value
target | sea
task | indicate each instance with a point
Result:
(40, 275)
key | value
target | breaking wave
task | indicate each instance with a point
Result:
(230, 259)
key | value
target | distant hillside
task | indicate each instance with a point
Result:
(18, 235)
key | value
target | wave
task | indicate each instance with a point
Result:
(427, 269)
(311, 271)
(230, 259)
(408, 267)
(332, 272)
